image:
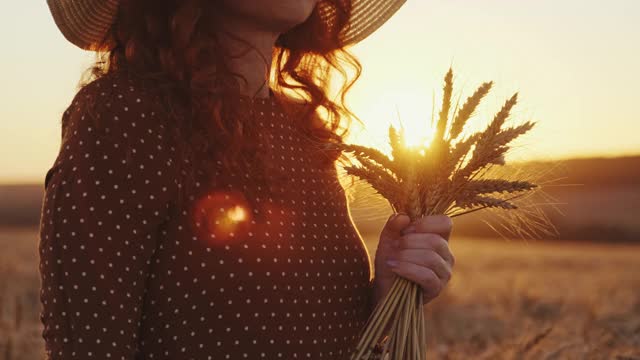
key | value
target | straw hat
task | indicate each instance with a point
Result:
(86, 23)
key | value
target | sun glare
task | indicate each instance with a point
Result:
(418, 137)
(404, 109)
(415, 117)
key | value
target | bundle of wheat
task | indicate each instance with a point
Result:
(448, 177)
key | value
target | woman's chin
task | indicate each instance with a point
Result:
(278, 15)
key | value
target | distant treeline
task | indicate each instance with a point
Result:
(586, 199)
(20, 205)
(590, 172)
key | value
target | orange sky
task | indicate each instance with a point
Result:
(574, 63)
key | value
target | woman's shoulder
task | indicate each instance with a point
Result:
(115, 101)
(116, 119)
(117, 91)
(121, 84)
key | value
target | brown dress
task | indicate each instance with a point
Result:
(128, 272)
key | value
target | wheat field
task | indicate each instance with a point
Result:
(518, 300)
(507, 300)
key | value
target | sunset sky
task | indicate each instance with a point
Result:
(574, 63)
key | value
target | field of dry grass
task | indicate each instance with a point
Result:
(19, 296)
(539, 301)
(507, 300)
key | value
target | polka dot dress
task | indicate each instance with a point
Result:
(129, 272)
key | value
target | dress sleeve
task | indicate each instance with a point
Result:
(106, 197)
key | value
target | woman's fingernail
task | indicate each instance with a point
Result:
(392, 263)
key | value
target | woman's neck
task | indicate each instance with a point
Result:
(251, 56)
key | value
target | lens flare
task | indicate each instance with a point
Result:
(237, 214)
(221, 217)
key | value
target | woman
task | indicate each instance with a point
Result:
(192, 211)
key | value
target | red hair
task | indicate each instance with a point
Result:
(174, 44)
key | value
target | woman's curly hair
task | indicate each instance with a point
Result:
(175, 44)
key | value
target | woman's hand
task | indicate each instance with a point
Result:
(418, 252)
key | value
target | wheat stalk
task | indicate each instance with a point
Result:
(467, 110)
(448, 177)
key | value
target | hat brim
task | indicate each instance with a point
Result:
(366, 17)
(86, 23)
